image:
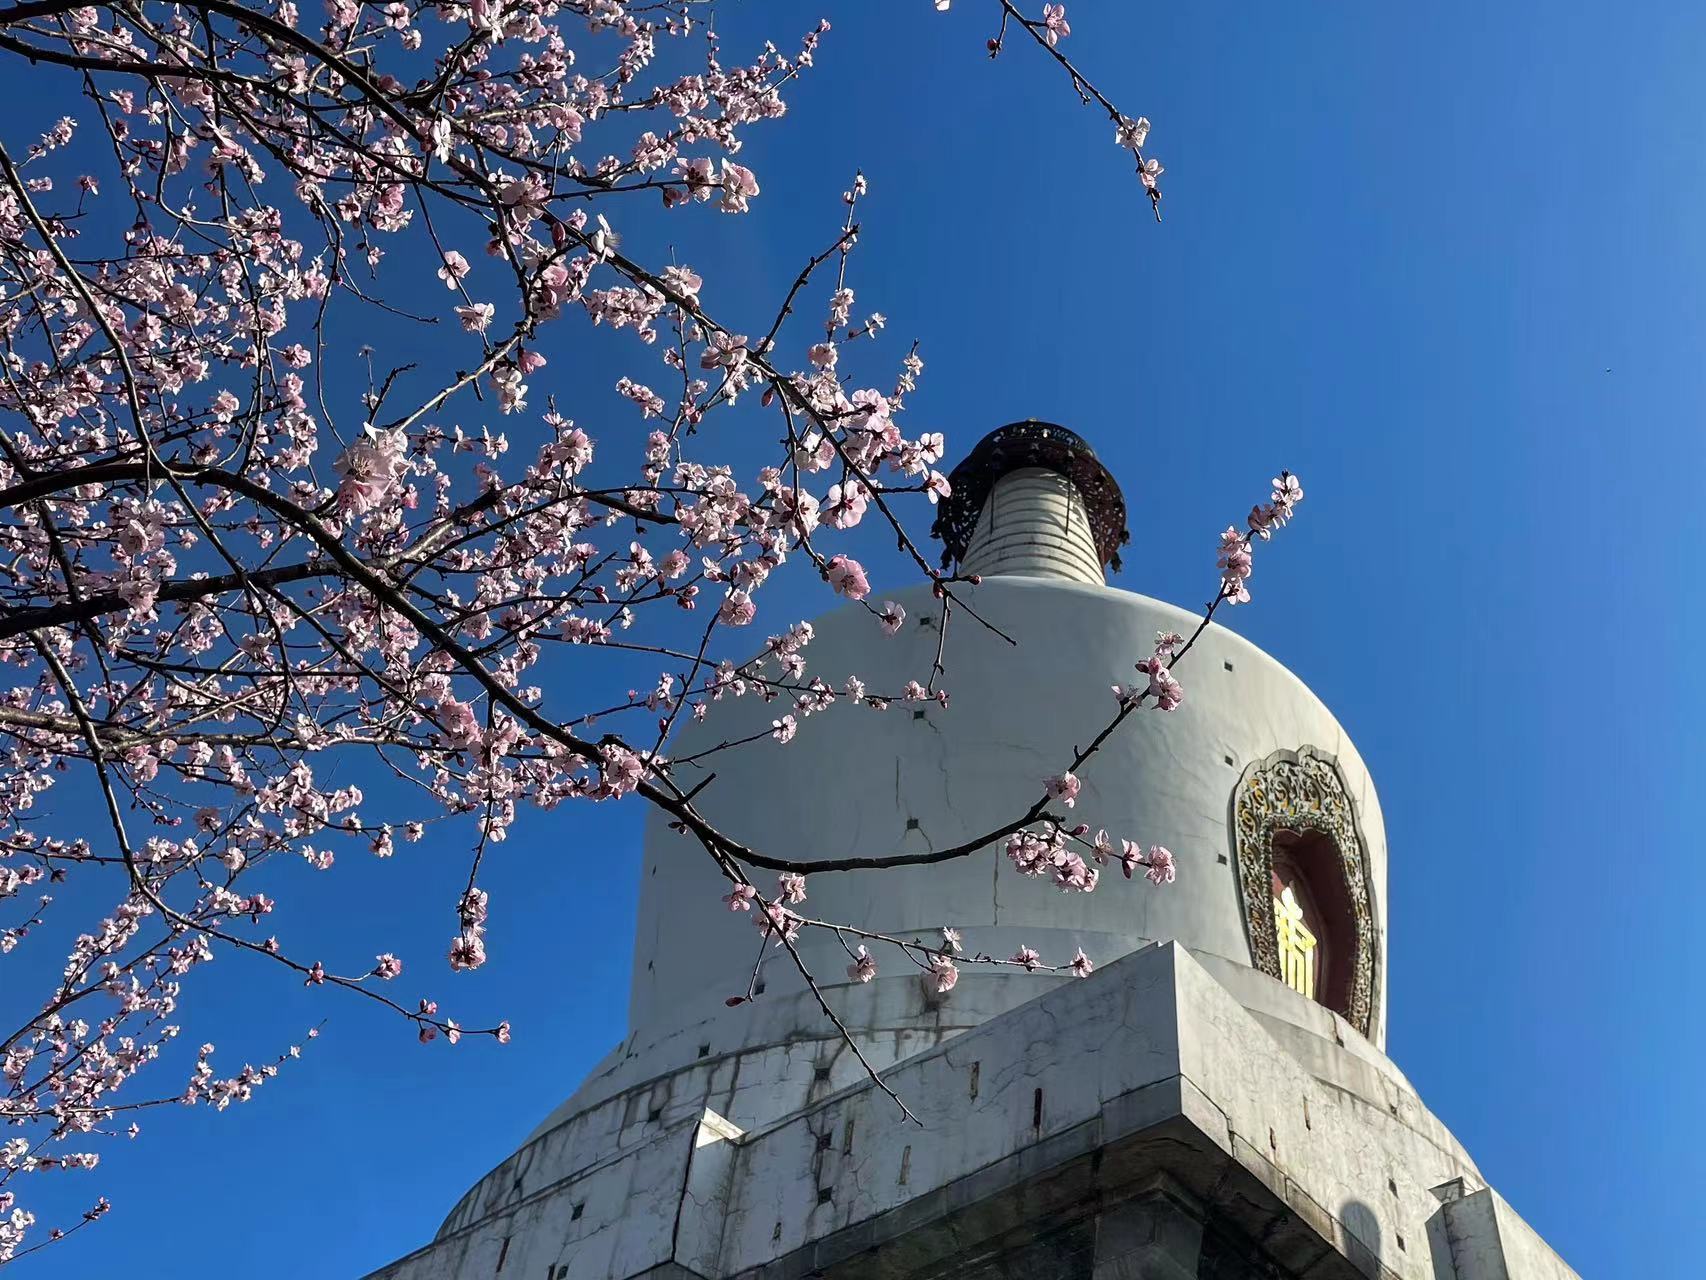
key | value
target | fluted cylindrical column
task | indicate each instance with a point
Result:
(1034, 524)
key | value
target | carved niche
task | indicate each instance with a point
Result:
(1302, 793)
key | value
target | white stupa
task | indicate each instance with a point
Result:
(1213, 1101)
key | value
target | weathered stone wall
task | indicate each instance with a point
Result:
(1145, 1079)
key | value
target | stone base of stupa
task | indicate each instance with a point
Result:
(1140, 1124)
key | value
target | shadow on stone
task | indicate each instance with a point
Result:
(1362, 1237)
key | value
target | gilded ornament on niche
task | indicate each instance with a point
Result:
(1303, 791)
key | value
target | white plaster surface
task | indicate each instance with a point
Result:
(1034, 523)
(1480, 1237)
(897, 780)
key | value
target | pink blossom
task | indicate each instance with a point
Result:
(844, 505)
(476, 316)
(388, 967)
(739, 186)
(1101, 848)
(941, 975)
(725, 351)
(1132, 134)
(467, 951)
(1160, 863)
(1063, 787)
(1054, 24)
(892, 616)
(847, 577)
(1081, 965)
(1027, 957)
(783, 730)
(1072, 873)
(737, 610)
(371, 467)
(776, 920)
(684, 283)
(864, 966)
(741, 897)
(1166, 691)
(454, 270)
(791, 887)
(1264, 519)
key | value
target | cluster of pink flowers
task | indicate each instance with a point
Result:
(1235, 559)
(239, 551)
(468, 948)
(1049, 854)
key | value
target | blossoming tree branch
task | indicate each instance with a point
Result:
(226, 573)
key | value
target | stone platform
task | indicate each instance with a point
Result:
(1140, 1124)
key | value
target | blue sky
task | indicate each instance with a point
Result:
(1446, 263)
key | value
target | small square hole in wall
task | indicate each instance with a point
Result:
(1392, 1186)
(824, 1141)
(918, 713)
(1220, 858)
(1227, 665)
(758, 987)
(1228, 760)
(820, 1074)
(912, 824)
(704, 1051)
(825, 1194)
(654, 1115)
(1400, 1243)
(575, 1213)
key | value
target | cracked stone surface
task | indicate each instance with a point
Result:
(1148, 1079)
